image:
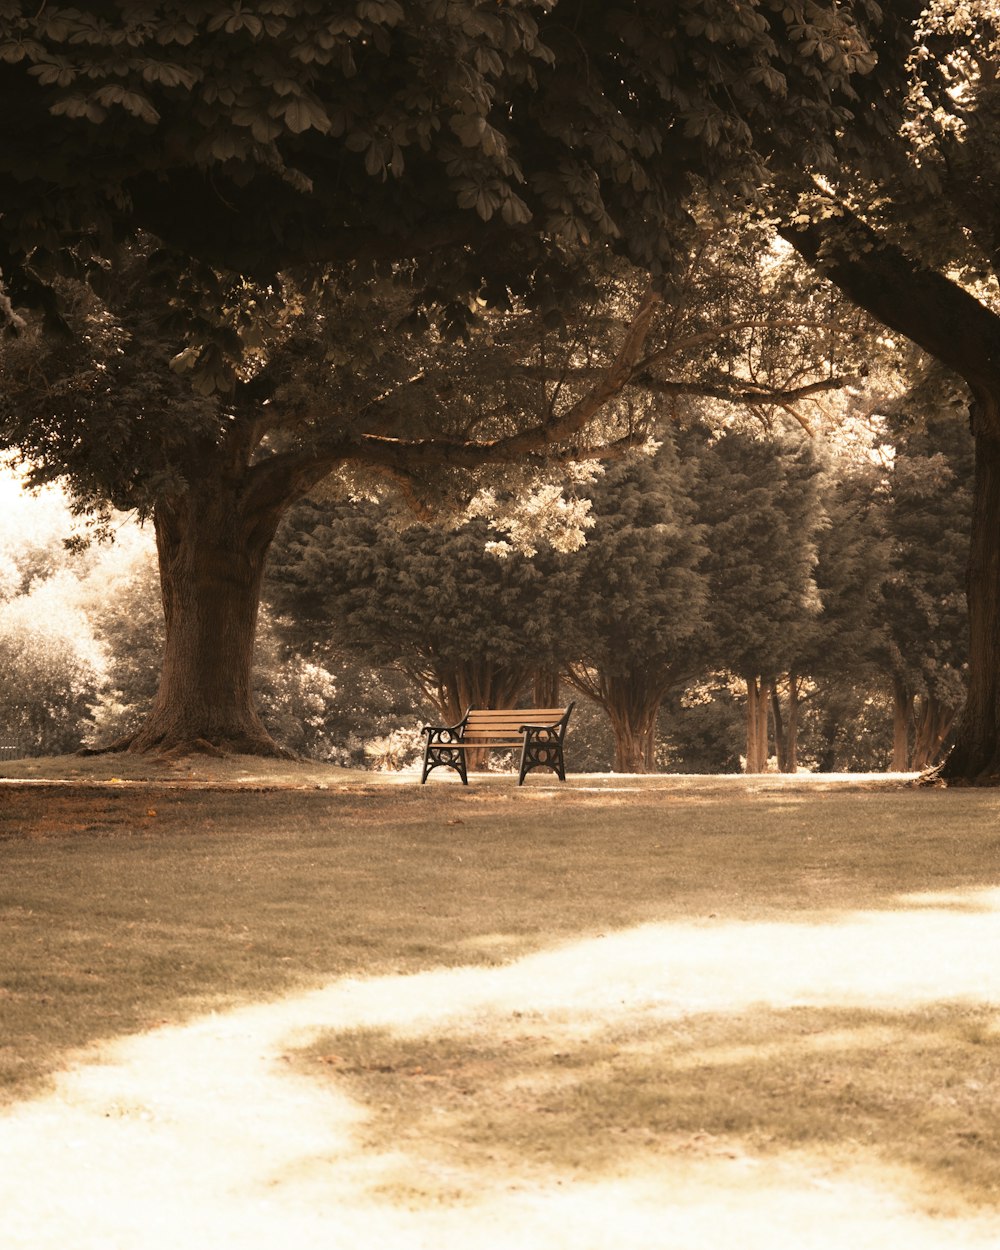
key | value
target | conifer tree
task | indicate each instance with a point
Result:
(640, 600)
(469, 626)
(757, 498)
(839, 650)
(929, 520)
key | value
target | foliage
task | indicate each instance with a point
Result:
(466, 625)
(50, 671)
(639, 599)
(330, 706)
(260, 139)
(929, 518)
(703, 727)
(757, 498)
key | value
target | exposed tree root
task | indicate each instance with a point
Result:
(169, 747)
(110, 748)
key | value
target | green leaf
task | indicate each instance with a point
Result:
(303, 114)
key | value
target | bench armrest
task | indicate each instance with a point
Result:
(556, 728)
(446, 733)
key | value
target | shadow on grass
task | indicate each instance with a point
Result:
(911, 1095)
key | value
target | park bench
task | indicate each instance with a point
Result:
(539, 732)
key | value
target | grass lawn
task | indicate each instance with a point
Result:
(677, 972)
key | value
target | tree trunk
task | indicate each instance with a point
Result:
(779, 726)
(479, 683)
(975, 758)
(792, 727)
(786, 729)
(634, 729)
(211, 556)
(545, 688)
(932, 725)
(902, 715)
(632, 706)
(757, 752)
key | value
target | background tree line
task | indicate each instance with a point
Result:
(742, 595)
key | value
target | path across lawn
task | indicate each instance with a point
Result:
(233, 1130)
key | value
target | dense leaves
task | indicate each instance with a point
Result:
(258, 137)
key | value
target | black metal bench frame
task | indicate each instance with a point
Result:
(488, 729)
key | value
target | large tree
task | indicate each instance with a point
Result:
(912, 234)
(161, 164)
(639, 601)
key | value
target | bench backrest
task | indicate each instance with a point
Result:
(504, 724)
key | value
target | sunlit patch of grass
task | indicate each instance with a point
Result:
(513, 1100)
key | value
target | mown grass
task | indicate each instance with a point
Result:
(124, 907)
(511, 1101)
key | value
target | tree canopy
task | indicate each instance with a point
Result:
(264, 228)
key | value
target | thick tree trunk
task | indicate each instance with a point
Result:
(932, 725)
(633, 708)
(634, 728)
(211, 558)
(975, 758)
(632, 705)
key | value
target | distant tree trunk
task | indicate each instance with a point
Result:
(975, 757)
(757, 738)
(634, 728)
(780, 749)
(211, 552)
(792, 749)
(786, 730)
(902, 715)
(932, 725)
(477, 682)
(632, 705)
(545, 689)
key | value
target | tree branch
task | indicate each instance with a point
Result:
(925, 306)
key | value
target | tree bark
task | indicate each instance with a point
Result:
(932, 725)
(902, 715)
(545, 688)
(757, 738)
(975, 758)
(634, 728)
(632, 705)
(211, 550)
(792, 728)
(780, 749)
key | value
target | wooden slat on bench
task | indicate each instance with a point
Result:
(523, 716)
